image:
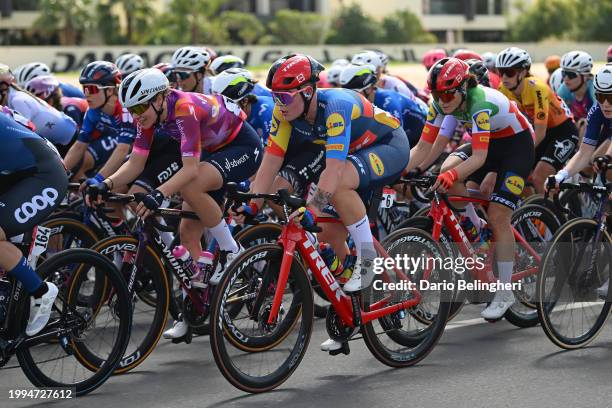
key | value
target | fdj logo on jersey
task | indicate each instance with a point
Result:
(377, 164)
(335, 124)
(39, 202)
(513, 184)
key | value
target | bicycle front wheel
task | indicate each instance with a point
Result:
(252, 354)
(573, 275)
(101, 326)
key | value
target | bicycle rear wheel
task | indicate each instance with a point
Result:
(401, 339)
(101, 327)
(573, 268)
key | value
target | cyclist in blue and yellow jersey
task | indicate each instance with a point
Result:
(365, 148)
(362, 78)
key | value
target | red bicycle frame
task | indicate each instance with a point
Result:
(293, 238)
(441, 213)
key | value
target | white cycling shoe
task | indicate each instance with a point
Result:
(178, 330)
(40, 310)
(225, 260)
(331, 345)
(362, 276)
(502, 301)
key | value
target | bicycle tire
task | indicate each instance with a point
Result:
(123, 308)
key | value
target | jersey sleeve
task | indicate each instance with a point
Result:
(188, 124)
(127, 131)
(540, 103)
(432, 124)
(280, 133)
(142, 143)
(88, 127)
(449, 124)
(338, 128)
(595, 120)
(481, 129)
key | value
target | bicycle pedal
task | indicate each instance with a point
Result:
(345, 349)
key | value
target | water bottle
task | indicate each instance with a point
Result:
(205, 265)
(182, 254)
(331, 259)
(5, 293)
(486, 236)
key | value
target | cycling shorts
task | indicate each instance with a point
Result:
(559, 145)
(164, 161)
(237, 161)
(29, 197)
(303, 165)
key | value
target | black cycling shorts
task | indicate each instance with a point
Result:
(28, 198)
(163, 162)
(303, 165)
(512, 158)
(237, 161)
(559, 145)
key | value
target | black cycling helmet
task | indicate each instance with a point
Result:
(480, 71)
(101, 73)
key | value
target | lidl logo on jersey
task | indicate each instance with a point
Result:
(482, 120)
(431, 114)
(513, 183)
(377, 164)
(335, 124)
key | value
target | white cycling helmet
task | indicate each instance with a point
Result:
(368, 57)
(142, 86)
(333, 74)
(234, 83)
(358, 77)
(513, 57)
(190, 58)
(556, 79)
(577, 61)
(27, 72)
(223, 62)
(489, 60)
(603, 79)
(128, 63)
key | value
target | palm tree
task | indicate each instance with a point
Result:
(68, 17)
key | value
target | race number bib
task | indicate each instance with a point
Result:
(388, 198)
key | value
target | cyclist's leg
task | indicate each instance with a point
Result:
(514, 157)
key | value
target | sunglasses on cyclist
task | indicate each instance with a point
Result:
(182, 75)
(93, 89)
(601, 97)
(139, 109)
(286, 98)
(509, 72)
(569, 74)
(444, 96)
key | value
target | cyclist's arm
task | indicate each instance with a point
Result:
(481, 132)
(430, 131)
(264, 179)
(75, 154)
(186, 174)
(129, 170)
(115, 160)
(449, 124)
(580, 160)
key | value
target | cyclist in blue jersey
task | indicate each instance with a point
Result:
(238, 85)
(25, 73)
(365, 148)
(50, 123)
(577, 88)
(108, 130)
(599, 125)
(33, 182)
(362, 78)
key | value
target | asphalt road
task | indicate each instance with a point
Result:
(476, 364)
